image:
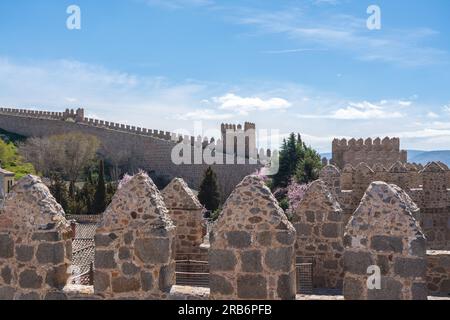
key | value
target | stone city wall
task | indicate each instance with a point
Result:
(426, 186)
(353, 152)
(151, 150)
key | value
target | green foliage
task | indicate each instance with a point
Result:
(296, 160)
(99, 204)
(308, 168)
(284, 204)
(58, 188)
(209, 195)
(215, 214)
(12, 161)
(83, 198)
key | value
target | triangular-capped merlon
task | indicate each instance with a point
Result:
(30, 205)
(363, 168)
(137, 202)
(317, 196)
(330, 171)
(443, 165)
(383, 210)
(378, 167)
(251, 204)
(433, 167)
(411, 205)
(178, 195)
(398, 167)
(411, 167)
(348, 168)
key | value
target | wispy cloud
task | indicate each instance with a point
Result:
(204, 114)
(346, 33)
(298, 50)
(111, 94)
(364, 110)
(244, 105)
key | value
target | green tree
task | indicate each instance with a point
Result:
(290, 153)
(58, 189)
(209, 195)
(309, 167)
(99, 204)
(296, 160)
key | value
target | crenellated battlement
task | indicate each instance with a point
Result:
(385, 151)
(231, 130)
(151, 149)
(387, 144)
(428, 186)
(240, 140)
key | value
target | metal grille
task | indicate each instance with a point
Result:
(304, 270)
(192, 272)
(85, 279)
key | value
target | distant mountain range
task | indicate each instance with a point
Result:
(419, 156)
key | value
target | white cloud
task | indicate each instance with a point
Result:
(363, 111)
(432, 115)
(405, 103)
(243, 105)
(110, 94)
(204, 114)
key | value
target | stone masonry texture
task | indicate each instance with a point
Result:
(318, 221)
(35, 243)
(186, 213)
(383, 232)
(150, 152)
(427, 187)
(252, 254)
(135, 244)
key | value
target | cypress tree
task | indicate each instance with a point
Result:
(99, 204)
(209, 195)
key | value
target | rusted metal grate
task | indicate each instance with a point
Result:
(192, 272)
(304, 269)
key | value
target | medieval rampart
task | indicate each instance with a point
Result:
(385, 152)
(150, 149)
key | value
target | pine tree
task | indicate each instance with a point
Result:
(296, 160)
(289, 155)
(308, 167)
(99, 204)
(209, 195)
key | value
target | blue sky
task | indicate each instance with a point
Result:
(307, 66)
